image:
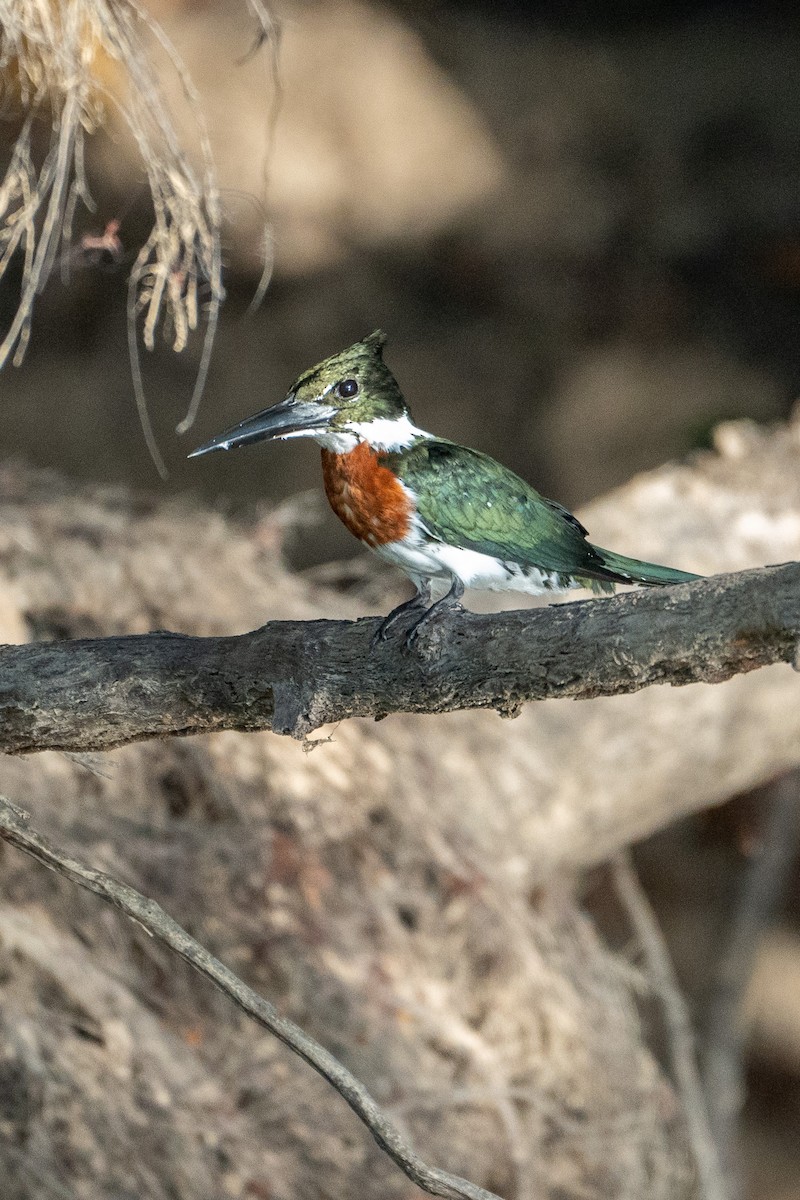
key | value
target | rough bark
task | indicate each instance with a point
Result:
(292, 677)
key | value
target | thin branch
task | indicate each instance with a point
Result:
(14, 828)
(762, 889)
(292, 677)
(678, 1023)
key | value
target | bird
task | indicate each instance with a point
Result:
(441, 512)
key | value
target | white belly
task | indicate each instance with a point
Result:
(480, 571)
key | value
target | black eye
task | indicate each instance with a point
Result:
(347, 389)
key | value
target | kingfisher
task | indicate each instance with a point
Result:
(445, 514)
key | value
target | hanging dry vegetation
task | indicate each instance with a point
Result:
(71, 65)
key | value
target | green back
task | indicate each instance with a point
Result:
(468, 500)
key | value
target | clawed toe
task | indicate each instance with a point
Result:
(448, 603)
(381, 634)
(395, 617)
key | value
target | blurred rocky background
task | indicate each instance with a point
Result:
(579, 226)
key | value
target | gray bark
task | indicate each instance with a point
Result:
(292, 677)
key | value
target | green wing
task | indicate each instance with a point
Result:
(468, 500)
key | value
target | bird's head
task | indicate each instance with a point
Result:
(349, 398)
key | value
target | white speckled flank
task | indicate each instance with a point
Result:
(424, 558)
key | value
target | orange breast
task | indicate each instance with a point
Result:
(366, 496)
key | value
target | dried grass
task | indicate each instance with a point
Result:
(70, 63)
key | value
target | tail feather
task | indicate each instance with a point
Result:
(631, 570)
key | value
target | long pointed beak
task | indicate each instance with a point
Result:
(289, 418)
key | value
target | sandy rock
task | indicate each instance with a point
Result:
(635, 402)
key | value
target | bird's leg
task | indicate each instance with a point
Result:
(420, 599)
(449, 601)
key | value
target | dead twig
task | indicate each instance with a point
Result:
(680, 1034)
(14, 828)
(70, 64)
(760, 892)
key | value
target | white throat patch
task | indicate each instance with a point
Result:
(387, 434)
(382, 434)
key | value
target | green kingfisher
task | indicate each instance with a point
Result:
(437, 510)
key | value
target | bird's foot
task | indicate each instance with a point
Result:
(450, 602)
(436, 610)
(396, 615)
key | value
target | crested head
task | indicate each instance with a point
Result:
(355, 382)
(346, 399)
(362, 396)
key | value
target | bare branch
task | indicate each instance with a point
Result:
(761, 891)
(293, 677)
(14, 828)
(680, 1035)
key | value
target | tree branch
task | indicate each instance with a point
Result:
(294, 676)
(680, 1035)
(761, 890)
(14, 828)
